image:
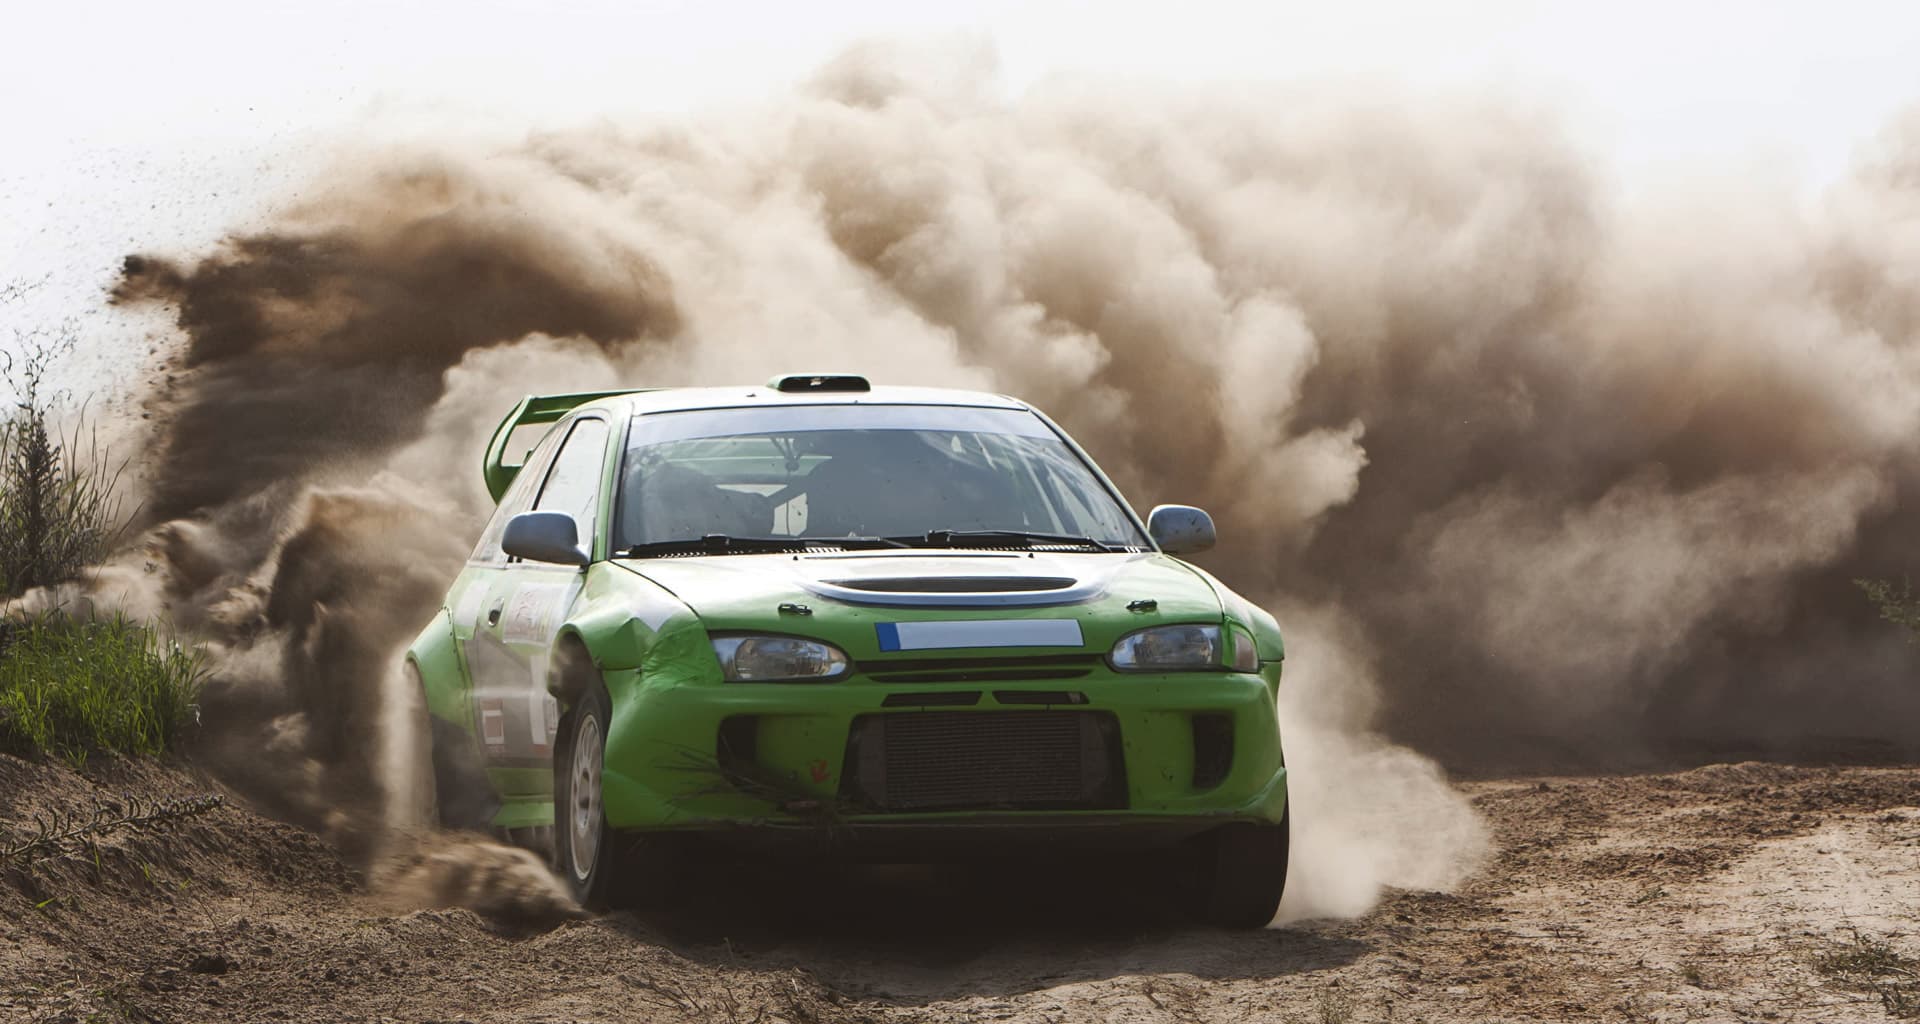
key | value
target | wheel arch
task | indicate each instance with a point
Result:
(435, 655)
(572, 657)
(604, 630)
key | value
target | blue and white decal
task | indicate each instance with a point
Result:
(933, 636)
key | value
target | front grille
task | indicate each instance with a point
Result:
(1039, 697)
(929, 699)
(1013, 669)
(986, 760)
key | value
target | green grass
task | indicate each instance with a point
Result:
(70, 688)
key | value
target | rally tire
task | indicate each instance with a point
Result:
(1244, 872)
(605, 869)
(463, 797)
(448, 783)
(585, 849)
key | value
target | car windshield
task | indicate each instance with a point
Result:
(886, 475)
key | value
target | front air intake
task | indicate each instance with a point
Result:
(985, 761)
(1212, 749)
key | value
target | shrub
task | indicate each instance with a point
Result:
(71, 686)
(58, 509)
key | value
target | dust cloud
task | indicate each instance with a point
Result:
(1522, 464)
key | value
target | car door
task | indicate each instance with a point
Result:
(523, 604)
(486, 664)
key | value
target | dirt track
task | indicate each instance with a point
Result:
(1707, 895)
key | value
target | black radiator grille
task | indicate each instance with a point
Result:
(976, 670)
(985, 760)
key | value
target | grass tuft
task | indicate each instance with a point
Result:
(1868, 964)
(1333, 1007)
(71, 687)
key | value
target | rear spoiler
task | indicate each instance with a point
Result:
(532, 409)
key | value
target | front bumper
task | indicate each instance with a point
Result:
(974, 837)
(670, 766)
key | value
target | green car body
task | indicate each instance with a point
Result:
(877, 759)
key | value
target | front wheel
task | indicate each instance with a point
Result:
(1244, 873)
(604, 869)
(583, 845)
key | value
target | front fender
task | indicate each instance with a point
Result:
(1265, 628)
(626, 622)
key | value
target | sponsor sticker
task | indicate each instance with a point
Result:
(493, 724)
(532, 611)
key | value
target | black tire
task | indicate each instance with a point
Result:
(585, 850)
(1244, 874)
(613, 870)
(451, 788)
(463, 796)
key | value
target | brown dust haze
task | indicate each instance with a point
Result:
(1521, 465)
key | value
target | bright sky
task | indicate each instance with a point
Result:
(136, 125)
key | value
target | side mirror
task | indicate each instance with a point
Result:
(1178, 529)
(544, 537)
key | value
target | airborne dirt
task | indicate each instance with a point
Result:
(1517, 457)
(1701, 895)
(1531, 471)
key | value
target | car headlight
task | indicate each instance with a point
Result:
(772, 659)
(1245, 656)
(1190, 648)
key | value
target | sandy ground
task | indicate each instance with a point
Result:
(1706, 895)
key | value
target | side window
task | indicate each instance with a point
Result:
(574, 483)
(519, 495)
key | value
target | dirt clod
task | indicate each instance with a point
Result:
(209, 963)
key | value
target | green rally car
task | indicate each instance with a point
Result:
(889, 623)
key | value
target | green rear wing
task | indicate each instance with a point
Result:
(532, 410)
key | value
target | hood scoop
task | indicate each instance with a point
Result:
(955, 584)
(962, 591)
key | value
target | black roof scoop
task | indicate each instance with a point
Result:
(819, 382)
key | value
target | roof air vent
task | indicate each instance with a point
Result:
(805, 382)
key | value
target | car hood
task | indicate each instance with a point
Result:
(1108, 593)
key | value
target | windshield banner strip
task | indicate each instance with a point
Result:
(934, 636)
(657, 427)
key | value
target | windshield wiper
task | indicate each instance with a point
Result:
(725, 544)
(975, 538)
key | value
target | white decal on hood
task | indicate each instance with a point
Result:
(929, 636)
